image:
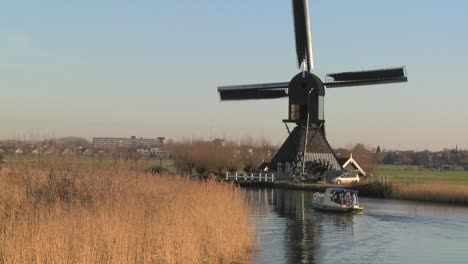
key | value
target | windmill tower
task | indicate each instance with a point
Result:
(306, 147)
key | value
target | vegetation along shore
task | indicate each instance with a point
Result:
(77, 210)
(427, 192)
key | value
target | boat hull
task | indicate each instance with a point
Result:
(322, 207)
(323, 202)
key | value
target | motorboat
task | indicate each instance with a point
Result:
(337, 200)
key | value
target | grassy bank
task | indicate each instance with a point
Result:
(420, 184)
(415, 174)
(62, 210)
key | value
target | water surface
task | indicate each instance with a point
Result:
(290, 231)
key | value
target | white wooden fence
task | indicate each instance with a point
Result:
(251, 177)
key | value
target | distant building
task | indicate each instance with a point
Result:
(144, 152)
(88, 153)
(159, 153)
(52, 151)
(19, 151)
(218, 141)
(68, 151)
(131, 142)
(350, 164)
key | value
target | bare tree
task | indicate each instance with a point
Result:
(366, 158)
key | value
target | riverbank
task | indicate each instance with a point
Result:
(61, 210)
(427, 192)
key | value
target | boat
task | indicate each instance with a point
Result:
(337, 200)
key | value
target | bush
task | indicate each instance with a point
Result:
(158, 169)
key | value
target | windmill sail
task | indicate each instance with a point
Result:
(302, 32)
(358, 78)
(253, 91)
(307, 142)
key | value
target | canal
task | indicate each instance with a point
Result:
(290, 231)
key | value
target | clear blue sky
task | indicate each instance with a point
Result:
(151, 68)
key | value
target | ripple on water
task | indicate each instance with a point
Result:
(388, 232)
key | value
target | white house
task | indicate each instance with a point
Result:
(350, 164)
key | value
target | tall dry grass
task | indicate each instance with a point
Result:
(54, 211)
(432, 192)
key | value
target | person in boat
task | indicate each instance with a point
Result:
(347, 199)
(353, 199)
(334, 197)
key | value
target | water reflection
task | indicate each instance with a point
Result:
(290, 231)
(302, 227)
(299, 239)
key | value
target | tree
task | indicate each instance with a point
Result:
(367, 159)
(390, 158)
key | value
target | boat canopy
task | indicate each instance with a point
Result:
(341, 190)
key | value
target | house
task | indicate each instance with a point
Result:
(144, 152)
(19, 151)
(350, 164)
(159, 153)
(68, 151)
(36, 151)
(88, 153)
(51, 151)
(155, 151)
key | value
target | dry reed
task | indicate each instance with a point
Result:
(433, 192)
(55, 211)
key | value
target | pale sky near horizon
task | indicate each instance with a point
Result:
(151, 68)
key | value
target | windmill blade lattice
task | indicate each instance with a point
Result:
(253, 91)
(302, 33)
(358, 78)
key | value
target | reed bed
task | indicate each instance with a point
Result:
(64, 211)
(432, 192)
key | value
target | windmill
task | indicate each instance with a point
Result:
(306, 149)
